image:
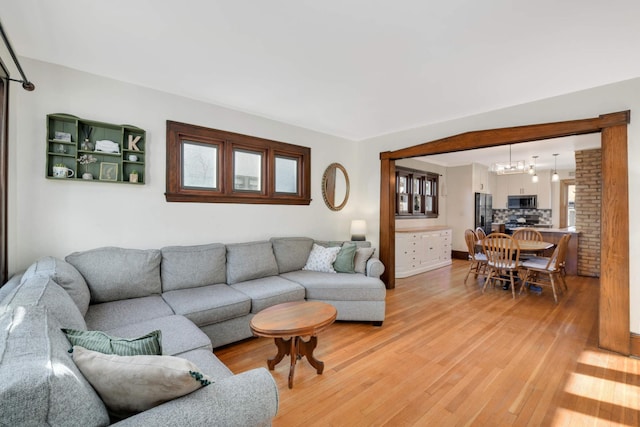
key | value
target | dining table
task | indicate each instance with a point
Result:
(528, 246)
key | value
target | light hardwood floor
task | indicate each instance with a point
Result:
(449, 355)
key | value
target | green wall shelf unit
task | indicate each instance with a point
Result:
(70, 137)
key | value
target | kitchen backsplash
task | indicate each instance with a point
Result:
(502, 215)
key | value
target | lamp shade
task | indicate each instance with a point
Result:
(358, 229)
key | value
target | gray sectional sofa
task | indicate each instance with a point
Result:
(199, 297)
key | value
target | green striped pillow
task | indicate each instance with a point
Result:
(150, 344)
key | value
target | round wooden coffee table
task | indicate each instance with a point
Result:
(287, 323)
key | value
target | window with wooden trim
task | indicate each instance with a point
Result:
(215, 166)
(416, 193)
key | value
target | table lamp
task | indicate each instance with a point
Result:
(358, 229)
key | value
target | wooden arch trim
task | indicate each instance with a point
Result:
(614, 327)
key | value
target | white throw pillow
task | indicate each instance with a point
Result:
(321, 259)
(132, 384)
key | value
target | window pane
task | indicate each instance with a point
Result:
(200, 165)
(286, 175)
(247, 171)
(402, 184)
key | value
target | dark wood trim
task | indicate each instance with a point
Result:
(615, 260)
(512, 135)
(614, 242)
(460, 255)
(387, 217)
(227, 143)
(634, 345)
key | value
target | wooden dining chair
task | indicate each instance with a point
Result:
(527, 234)
(503, 259)
(480, 234)
(477, 260)
(547, 271)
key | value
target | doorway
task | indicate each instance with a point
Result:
(567, 203)
(614, 328)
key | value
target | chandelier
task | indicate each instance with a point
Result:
(507, 168)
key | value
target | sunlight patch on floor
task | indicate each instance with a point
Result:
(592, 388)
(566, 417)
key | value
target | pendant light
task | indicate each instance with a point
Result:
(534, 178)
(555, 177)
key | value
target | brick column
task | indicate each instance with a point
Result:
(588, 210)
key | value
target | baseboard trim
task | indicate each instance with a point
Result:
(635, 345)
(459, 255)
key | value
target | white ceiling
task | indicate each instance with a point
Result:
(352, 68)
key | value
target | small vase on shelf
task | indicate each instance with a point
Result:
(133, 177)
(87, 175)
(86, 145)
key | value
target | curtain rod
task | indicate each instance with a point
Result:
(26, 84)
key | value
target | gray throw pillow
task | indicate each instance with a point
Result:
(361, 258)
(344, 262)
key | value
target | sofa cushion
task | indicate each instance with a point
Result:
(344, 262)
(339, 286)
(65, 275)
(110, 315)
(270, 291)
(208, 304)
(321, 259)
(43, 291)
(179, 334)
(361, 258)
(149, 344)
(291, 252)
(132, 384)
(192, 266)
(116, 273)
(247, 261)
(40, 384)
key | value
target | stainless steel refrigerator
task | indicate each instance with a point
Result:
(483, 212)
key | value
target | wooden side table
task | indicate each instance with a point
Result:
(287, 324)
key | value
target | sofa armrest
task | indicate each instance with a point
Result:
(375, 268)
(246, 399)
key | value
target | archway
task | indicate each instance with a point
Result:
(614, 330)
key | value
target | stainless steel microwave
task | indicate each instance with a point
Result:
(522, 202)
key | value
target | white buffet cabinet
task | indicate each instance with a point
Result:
(422, 249)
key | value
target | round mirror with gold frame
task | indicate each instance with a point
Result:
(335, 186)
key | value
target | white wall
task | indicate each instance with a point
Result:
(461, 204)
(50, 217)
(54, 218)
(584, 104)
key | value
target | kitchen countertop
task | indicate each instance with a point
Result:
(557, 230)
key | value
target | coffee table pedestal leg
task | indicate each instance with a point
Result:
(295, 347)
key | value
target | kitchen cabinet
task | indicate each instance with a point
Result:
(521, 184)
(420, 250)
(480, 178)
